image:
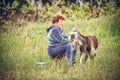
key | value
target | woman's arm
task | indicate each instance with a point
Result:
(57, 35)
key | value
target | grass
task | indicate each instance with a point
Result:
(21, 48)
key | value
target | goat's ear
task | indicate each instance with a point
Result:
(73, 29)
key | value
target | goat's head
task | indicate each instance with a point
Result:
(73, 34)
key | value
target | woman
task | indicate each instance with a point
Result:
(58, 45)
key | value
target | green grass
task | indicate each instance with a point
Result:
(21, 48)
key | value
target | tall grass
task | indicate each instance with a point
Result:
(22, 48)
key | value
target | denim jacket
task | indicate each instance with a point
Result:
(55, 36)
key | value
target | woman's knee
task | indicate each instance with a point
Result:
(70, 46)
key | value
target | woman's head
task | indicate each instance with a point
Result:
(57, 19)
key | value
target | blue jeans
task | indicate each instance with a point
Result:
(60, 51)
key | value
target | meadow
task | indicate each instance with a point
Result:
(22, 47)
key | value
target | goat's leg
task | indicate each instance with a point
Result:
(87, 56)
(81, 56)
(93, 55)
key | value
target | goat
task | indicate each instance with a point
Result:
(88, 44)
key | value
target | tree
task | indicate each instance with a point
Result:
(36, 9)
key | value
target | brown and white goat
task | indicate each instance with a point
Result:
(88, 44)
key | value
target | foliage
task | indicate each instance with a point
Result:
(74, 11)
(22, 47)
(113, 25)
(26, 9)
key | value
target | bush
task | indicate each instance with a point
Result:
(75, 11)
